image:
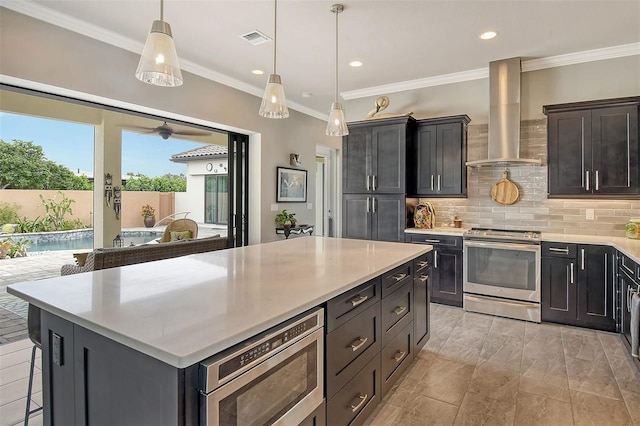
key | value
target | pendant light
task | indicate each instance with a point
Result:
(274, 103)
(159, 61)
(337, 124)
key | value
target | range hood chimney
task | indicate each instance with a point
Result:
(504, 115)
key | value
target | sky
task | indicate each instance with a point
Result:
(71, 145)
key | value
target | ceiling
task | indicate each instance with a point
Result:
(402, 44)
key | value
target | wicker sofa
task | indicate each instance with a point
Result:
(103, 258)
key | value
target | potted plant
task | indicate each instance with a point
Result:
(149, 215)
(286, 219)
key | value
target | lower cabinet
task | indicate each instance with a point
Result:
(629, 284)
(577, 285)
(373, 333)
(90, 379)
(446, 272)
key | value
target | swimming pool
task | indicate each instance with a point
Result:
(80, 239)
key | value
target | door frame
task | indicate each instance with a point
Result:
(331, 216)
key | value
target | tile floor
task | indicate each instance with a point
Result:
(482, 370)
(14, 377)
(475, 370)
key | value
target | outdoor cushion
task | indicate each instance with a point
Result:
(180, 235)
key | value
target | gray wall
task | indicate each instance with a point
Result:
(42, 53)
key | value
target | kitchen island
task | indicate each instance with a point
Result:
(165, 317)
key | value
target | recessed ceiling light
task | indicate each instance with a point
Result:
(257, 72)
(307, 94)
(488, 35)
(355, 64)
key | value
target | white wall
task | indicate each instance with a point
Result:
(38, 52)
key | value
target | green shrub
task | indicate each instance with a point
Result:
(26, 225)
(8, 212)
(14, 247)
(56, 210)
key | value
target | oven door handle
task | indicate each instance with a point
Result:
(503, 246)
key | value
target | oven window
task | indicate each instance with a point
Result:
(502, 268)
(269, 396)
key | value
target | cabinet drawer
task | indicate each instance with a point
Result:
(629, 266)
(423, 262)
(358, 398)
(349, 304)
(551, 249)
(438, 240)
(351, 346)
(396, 278)
(397, 311)
(396, 357)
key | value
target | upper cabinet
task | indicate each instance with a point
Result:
(437, 156)
(374, 156)
(593, 149)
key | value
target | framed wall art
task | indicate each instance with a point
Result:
(291, 185)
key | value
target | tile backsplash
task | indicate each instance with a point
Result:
(533, 210)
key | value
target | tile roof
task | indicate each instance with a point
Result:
(204, 152)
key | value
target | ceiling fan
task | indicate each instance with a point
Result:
(165, 131)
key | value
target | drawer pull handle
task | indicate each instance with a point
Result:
(559, 250)
(400, 310)
(423, 264)
(359, 343)
(358, 300)
(399, 355)
(423, 278)
(426, 240)
(399, 277)
(361, 399)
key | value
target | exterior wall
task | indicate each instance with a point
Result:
(533, 210)
(193, 200)
(132, 202)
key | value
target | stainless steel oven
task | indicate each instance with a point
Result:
(501, 274)
(275, 378)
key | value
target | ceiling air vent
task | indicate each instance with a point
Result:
(255, 37)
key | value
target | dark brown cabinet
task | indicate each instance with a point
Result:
(446, 271)
(379, 217)
(374, 178)
(629, 283)
(374, 156)
(438, 153)
(371, 339)
(593, 148)
(421, 299)
(577, 285)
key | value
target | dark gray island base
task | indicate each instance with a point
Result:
(372, 331)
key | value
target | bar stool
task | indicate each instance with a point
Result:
(33, 326)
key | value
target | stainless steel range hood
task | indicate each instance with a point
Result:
(504, 115)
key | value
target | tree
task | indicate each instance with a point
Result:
(166, 183)
(22, 165)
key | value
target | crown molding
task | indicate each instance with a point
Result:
(480, 73)
(420, 83)
(34, 10)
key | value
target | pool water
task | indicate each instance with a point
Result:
(87, 243)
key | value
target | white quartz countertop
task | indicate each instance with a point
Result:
(627, 246)
(186, 309)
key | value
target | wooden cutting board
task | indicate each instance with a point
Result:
(504, 191)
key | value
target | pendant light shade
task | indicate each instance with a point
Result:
(274, 102)
(337, 123)
(159, 61)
